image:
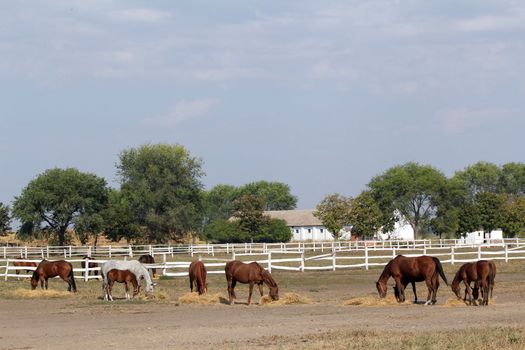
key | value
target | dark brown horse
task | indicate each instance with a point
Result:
(252, 273)
(49, 269)
(148, 259)
(482, 273)
(197, 274)
(24, 263)
(90, 265)
(121, 276)
(410, 270)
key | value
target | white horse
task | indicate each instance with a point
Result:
(133, 266)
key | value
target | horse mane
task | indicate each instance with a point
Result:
(268, 278)
(386, 272)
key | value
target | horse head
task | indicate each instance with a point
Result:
(381, 289)
(149, 289)
(274, 293)
(456, 289)
(34, 280)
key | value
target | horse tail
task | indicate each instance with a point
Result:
(492, 274)
(72, 279)
(439, 269)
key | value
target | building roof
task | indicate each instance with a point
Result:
(303, 217)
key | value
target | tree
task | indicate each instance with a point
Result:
(218, 203)
(365, 215)
(162, 187)
(478, 178)
(5, 219)
(334, 213)
(54, 200)
(119, 221)
(490, 207)
(469, 219)
(513, 179)
(410, 189)
(275, 195)
(225, 231)
(249, 212)
(514, 217)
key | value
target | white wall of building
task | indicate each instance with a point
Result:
(478, 237)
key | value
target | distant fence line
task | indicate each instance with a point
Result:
(111, 251)
(337, 257)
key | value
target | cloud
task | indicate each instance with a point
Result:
(183, 111)
(490, 23)
(462, 119)
(140, 15)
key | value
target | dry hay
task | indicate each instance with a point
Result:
(374, 300)
(286, 299)
(157, 295)
(40, 293)
(203, 299)
(454, 302)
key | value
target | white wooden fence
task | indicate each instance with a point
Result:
(340, 257)
(131, 251)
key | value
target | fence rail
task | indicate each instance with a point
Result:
(297, 259)
(112, 251)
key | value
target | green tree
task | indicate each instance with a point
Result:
(119, 221)
(54, 200)
(249, 213)
(410, 189)
(161, 183)
(275, 195)
(514, 217)
(365, 215)
(491, 210)
(513, 179)
(5, 219)
(274, 230)
(225, 231)
(334, 212)
(469, 219)
(218, 203)
(477, 178)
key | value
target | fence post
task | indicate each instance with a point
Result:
(452, 255)
(227, 248)
(164, 263)
(110, 251)
(65, 253)
(233, 254)
(6, 268)
(5, 252)
(86, 271)
(302, 261)
(270, 261)
(25, 252)
(506, 253)
(130, 251)
(69, 252)
(47, 251)
(479, 252)
(212, 251)
(334, 259)
(89, 251)
(366, 257)
(393, 253)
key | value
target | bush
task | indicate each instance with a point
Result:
(224, 231)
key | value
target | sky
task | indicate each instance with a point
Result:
(320, 95)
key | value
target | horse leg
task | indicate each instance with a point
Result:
(414, 289)
(191, 285)
(126, 284)
(110, 287)
(250, 293)
(428, 282)
(261, 289)
(46, 282)
(400, 292)
(468, 291)
(435, 287)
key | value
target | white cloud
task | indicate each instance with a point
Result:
(462, 119)
(140, 15)
(182, 111)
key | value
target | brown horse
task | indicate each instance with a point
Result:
(197, 274)
(89, 264)
(121, 276)
(482, 273)
(252, 273)
(49, 269)
(410, 270)
(24, 263)
(148, 259)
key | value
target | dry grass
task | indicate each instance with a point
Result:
(39, 294)
(373, 300)
(454, 302)
(204, 299)
(286, 299)
(472, 338)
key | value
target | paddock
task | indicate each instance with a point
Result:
(164, 322)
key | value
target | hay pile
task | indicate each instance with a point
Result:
(204, 299)
(374, 300)
(286, 299)
(40, 293)
(454, 302)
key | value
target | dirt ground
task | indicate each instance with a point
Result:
(83, 320)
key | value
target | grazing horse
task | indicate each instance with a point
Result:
(148, 259)
(49, 269)
(197, 274)
(24, 263)
(252, 273)
(131, 265)
(482, 273)
(121, 276)
(89, 265)
(410, 270)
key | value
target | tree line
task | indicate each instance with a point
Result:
(161, 198)
(483, 196)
